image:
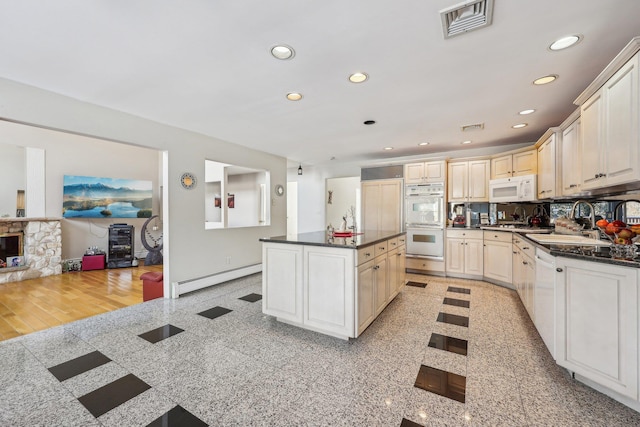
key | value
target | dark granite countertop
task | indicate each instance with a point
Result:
(585, 253)
(322, 238)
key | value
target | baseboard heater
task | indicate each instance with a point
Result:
(185, 286)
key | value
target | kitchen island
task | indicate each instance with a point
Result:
(333, 285)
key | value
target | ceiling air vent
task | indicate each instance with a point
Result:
(477, 126)
(466, 16)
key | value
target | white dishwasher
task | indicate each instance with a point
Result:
(544, 298)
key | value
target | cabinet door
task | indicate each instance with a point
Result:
(329, 289)
(473, 257)
(391, 206)
(517, 273)
(434, 171)
(414, 173)
(591, 142)
(282, 281)
(621, 125)
(571, 159)
(458, 181)
(371, 200)
(547, 168)
(479, 180)
(392, 274)
(525, 163)
(501, 167)
(529, 276)
(402, 267)
(497, 261)
(365, 296)
(455, 255)
(381, 281)
(597, 323)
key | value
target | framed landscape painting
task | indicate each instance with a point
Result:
(94, 197)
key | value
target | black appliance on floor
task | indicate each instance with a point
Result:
(121, 246)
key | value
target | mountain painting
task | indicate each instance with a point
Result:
(92, 197)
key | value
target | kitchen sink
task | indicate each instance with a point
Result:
(567, 239)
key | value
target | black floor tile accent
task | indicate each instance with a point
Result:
(417, 284)
(79, 365)
(453, 319)
(458, 290)
(408, 423)
(251, 297)
(457, 302)
(214, 312)
(114, 394)
(444, 383)
(161, 333)
(177, 417)
(443, 342)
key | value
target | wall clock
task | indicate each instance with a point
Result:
(188, 181)
(279, 190)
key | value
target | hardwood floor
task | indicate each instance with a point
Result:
(36, 304)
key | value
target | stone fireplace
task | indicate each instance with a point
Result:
(39, 240)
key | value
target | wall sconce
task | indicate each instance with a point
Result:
(300, 170)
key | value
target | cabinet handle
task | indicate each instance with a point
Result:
(525, 262)
(525, 248)
(367, 254)
(514, 252)
(376, 267)
(559, 270)
(495, 235)
(399, 254)
(597, 176)
(573, 186)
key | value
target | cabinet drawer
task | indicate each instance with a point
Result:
(392, 243)
(402, 240)
(463, 233)
(424, 264)
(381, 248)
(498, 236)
(366, 254)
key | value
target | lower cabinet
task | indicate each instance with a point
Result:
(597, 323)
(282, 277)
(498, 256)
(381, 283)
(365, 301)
(464, 253)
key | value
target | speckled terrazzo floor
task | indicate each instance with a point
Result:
(243, 368)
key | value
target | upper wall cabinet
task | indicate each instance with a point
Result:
(523, 163)
(468, 181)
(423, 172)
(547, 166)
(571, 159)
(609, 127)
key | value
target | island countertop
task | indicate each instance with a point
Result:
(322, 238)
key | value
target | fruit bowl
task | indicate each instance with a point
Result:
(623, 238)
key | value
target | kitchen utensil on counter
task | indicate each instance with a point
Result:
(459, 220)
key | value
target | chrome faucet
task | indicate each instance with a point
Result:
(592, 216)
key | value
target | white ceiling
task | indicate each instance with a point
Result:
(205, 66)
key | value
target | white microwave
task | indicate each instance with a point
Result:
(516, 189)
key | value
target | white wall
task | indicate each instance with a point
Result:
(345, 194)
(246, 191)
(12, 175)
(193, 251)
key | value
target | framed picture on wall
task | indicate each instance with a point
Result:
(217, 202)
(231, 201)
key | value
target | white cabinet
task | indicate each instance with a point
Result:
(380, 283)
(382, 203)
(423, 172)
(464, 255)
(328, 297)
(396, 261)
(544, 299)
(468, 181)
(547, 168)
(571, 159)
(282, 273)
(366, 310)
(597, 323)
(523, 163)
(610, 134)
(498, 256)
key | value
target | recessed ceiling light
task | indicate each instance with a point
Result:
(358, 77)
(282, 52)
(294, 96)
(369, 122)
(465, 142)
(565, 42)
(546, 79)
(423, 143)
(388, 148)
(525, 112)
(519, 125)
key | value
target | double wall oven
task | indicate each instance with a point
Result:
(425, 219)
